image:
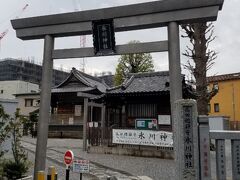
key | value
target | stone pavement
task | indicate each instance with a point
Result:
(101, 165)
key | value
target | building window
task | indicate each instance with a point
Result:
(28, 102)
(216, 107)
(38, 102)
(209, 108)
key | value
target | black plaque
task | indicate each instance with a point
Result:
(103, 37)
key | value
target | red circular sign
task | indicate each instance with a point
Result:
(68, 157)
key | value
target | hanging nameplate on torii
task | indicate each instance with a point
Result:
(103, 37)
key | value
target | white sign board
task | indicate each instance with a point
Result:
(143, 137)
(95, 124)
(164, 119)
(70, 121)
(81, 166)
(78, 110)
(141, 124)
(90, 124)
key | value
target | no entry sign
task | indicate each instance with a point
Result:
(68, 157)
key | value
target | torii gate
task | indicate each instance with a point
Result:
(154, 14)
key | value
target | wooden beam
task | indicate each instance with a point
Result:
(85, 95)
(95, 104)
(159, 46)
(123, 24)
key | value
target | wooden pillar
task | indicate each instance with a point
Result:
(103, 121)
(85, 117)
(124, 123)
(103, 116)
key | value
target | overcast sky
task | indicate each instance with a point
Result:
(227, 29)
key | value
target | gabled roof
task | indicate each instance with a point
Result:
(143, 83)
(223, 77)
(78, 81)
(108, 79)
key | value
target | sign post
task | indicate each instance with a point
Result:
(68, 159)
(81, 166)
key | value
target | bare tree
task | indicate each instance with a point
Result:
(200, 60)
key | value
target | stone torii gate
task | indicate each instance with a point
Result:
(154, 14)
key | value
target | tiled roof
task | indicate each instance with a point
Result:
(223, 77)
(108, 79)
(71, 89)
(89, 81)
(143, 82)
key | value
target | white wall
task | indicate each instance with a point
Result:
(21, 103)
(16, 87)
(218, 122)
(9, 106)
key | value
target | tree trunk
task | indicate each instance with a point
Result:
(200, 70)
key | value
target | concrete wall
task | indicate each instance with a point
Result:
(8, 88)
(134, 151)
(9, 106)
(218, 123)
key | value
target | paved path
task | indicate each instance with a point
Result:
(57, 148)
(113, 165)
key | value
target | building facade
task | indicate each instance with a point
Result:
(227, 101)
(9, 88)
(14, 69)
(28, 103)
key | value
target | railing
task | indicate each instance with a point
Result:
(234, 125)
(220, 137)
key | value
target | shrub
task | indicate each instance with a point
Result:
(13, 170)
